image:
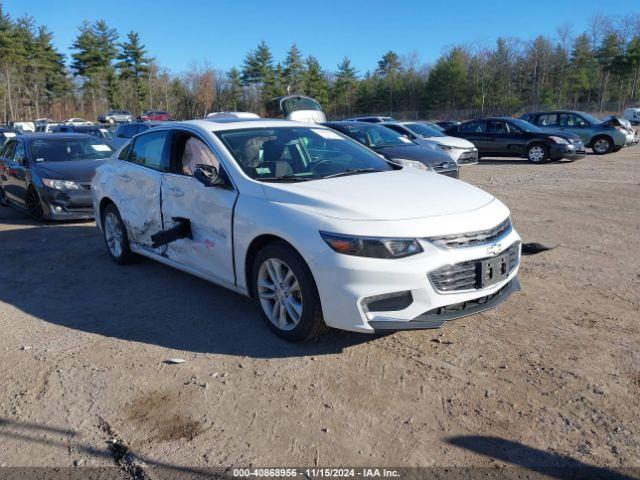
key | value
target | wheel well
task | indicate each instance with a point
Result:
(601, 135)
(254, 247)
(103, 204)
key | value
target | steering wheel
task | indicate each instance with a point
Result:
(317, 165)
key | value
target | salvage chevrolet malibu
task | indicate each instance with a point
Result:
(315, 227)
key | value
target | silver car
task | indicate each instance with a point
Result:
(116, 116)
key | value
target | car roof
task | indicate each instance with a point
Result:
(237, 124)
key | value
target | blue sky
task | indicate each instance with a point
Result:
(178, 33)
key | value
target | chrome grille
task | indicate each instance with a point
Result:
(466, 275)
(473, 238)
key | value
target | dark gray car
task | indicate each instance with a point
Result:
(49, 176)
(396, 147)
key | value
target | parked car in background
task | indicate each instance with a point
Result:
(446, 124)
(116, 116)
(512, 137)
(6, 134)
(317, 229)
(461, 151)
(48, 175)
(370, 119)
(126, 131)
(218, 115)
(633, 115)
(77, 121)
(154, 115)
(47, 127)
(299, 108)
(24, 127)
(600, 136)
(396, 147)
(95, 130)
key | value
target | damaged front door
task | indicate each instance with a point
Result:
(138, 184)
(207, 209)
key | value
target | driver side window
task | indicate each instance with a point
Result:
(188, 151)
(20, 156)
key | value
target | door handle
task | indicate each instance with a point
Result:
(124, 177)
(176, 191)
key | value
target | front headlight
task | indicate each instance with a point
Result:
(446, 148)
(376, 247)
(559, 140)
(410, 163)
(61, 184)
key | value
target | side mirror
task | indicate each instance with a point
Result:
(208, 175)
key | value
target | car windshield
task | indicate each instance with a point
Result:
(292, 154)
(68, 149)
(590, 118)
(424, 130)
(376, 136)
(524, 125)
(294, 104)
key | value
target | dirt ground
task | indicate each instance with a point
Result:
(551, 378)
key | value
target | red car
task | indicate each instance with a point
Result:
(155, 115)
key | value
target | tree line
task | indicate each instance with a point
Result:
(598, 69)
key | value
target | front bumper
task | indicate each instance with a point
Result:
(346, 285)
(67, 204)
(572, 151)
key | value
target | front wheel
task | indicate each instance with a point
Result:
(602, 145)
(538, 153)
(286, 293)
(115, 236)
(34, 204)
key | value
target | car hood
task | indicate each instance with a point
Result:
(427, 154)
(78, 170)
(403, 194)
(452, 142)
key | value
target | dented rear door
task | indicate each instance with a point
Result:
(210, 214)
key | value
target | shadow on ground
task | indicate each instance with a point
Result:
(62, 274)
(550, 465)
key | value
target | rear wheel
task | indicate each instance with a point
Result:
(115, 236)
(34, 204)
(286, 293)
(602, 145)
(538, 153)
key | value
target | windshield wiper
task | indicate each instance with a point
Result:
(353, 171)
(284, 178)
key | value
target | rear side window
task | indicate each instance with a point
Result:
(148, 150)
(547, 120)
(477, 127)
(7, 151)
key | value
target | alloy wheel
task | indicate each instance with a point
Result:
(113, 234)
(536, 154)
(34, 205)
(602, 145)
(279, 293)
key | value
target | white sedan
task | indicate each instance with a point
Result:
(315, 227)
(78, 122)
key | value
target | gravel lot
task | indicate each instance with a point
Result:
(551, 378)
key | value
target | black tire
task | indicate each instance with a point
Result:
(34, 204)
(602, 145)
(311, 324)
(123, 255)
(538, 153)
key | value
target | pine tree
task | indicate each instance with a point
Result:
(293, 74)
(234, 88)
(315, 82)
(345, 85)
(134, 66)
